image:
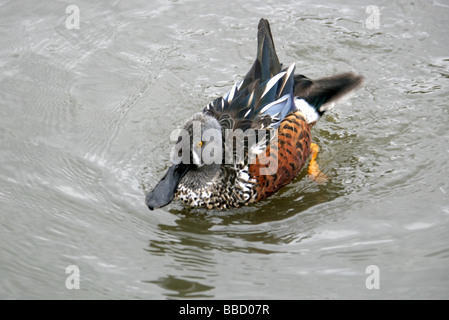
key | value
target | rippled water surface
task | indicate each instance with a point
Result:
(86, 116)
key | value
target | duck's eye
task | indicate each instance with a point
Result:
(199, 144)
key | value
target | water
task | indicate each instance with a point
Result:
(85, 122)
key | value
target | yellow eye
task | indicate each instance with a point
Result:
(199, 144)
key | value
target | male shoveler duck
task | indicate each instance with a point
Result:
(269, 98)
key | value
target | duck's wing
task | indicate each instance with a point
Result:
(264, 97)
(267, 63)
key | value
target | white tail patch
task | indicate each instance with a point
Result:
(307, 110)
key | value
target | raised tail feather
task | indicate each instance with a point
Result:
(314, 97)
(267, 62)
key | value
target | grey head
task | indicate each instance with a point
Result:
(195, 159)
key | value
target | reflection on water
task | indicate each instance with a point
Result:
(184, 289)
(85, 122)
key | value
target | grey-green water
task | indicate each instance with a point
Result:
(85, 121)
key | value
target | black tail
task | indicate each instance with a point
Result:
(322, 93)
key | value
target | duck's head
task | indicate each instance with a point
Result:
(195, 159)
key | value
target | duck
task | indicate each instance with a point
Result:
(247, 144)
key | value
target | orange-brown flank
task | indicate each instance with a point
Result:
(291, 152)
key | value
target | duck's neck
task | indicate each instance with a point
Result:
(200, 177)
